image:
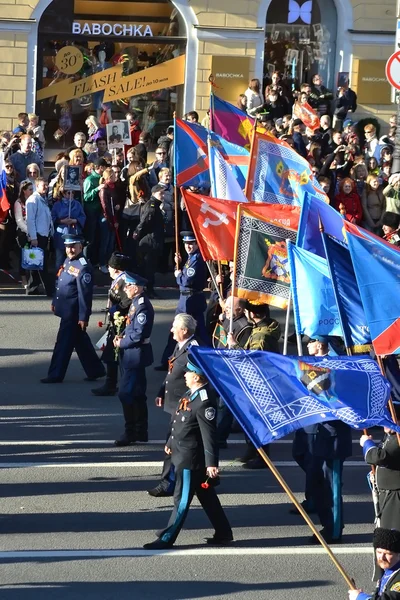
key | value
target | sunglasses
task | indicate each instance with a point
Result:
(33, 173)
(367, 130)
(160, 153)
(9, 167)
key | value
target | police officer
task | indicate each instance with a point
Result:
(194, 454)
(135, 355)
(192, 301)
(72, 302)
(326, 446)
(173, 388)
(118, 302)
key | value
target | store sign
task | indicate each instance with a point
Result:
(231, 76)
(122, 29)
(116, 86)
(370, 83)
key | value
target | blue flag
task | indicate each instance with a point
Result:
(308, 235)
(314, 305)
(354, 323)
(273, 395)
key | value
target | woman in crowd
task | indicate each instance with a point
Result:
(111, 202)
(32, 173)
(372, 165)
(359, 174)
(242, 102)
(348, 202)
(254, 96)
(168, 212)
(25, 190)
(373, 204)
(68, 217)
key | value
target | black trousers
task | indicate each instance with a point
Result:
(70, 337)
(38, 277)
(188, 483)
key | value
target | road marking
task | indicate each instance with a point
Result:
(139, 464)
(74, 416)
(239, 551)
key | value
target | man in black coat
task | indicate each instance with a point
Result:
(387, 553)
(150, 236)
(173, 388)
(194, 454)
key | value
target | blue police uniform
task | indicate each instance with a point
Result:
(72, 302)
(135, 355)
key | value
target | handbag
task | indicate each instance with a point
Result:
(32, 259)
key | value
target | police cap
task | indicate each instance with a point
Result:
(134, 279)
(188, 236)
(73, 238)
(193, 366)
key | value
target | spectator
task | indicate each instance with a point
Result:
(68, 217)
(161, 162)
(76, 157)
(254, 96)
(25, 190)
(320, 96)
(372, 166)
(390, 226)
(133, 158)
(24, 157)
(143, 145)
(340, 107)
(5, 223)
(373, 205)
(12, 187)
(79, 142)
(297, 135)
(242, 102)
(278, 86)
(23, 123)
(168, 212)
(167, 142)
(359, 175)
(205, 122)
(139, 193)
(33, 174)
(372, 147)
(92, 206)
(35, 130)
(286, 123)
(134, 128)
(192, 117)
(40, 227)
(274, 107)
(348, 202)
(101, 152)
(392, 194)
(326, 133)
(111, 202)
(150, 236)
(385, 174)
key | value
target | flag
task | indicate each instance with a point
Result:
(377, 268)
(261, 262)
(191, 155)
(230, 122)
(312, 211)
(354, 324)
(278, 175)
(307, 114)
(4, 203)
(273, 395)
(214, 225)
(314, 305)
(223, 182)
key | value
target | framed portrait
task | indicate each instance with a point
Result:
(126, 133)
(72, 178)
(115, 135)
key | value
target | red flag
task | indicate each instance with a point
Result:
(307, 115)
(214, 224)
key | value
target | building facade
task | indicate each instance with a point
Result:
(232, 39)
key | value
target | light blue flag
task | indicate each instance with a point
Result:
(224, 184)
(314, 305)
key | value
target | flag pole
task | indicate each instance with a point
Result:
(390, 401)
(176, 216)
(239, 208)
(286, 335)
(253, 139)
(220, 296)
(307, 519)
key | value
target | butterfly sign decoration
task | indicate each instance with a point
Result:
(302, 12)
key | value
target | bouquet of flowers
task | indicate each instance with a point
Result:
(119, 326)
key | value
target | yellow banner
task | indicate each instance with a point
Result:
(162, 76)
(168, 74)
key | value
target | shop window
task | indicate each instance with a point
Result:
(106, 33)
(301, 40)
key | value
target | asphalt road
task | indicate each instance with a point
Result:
(75, 512)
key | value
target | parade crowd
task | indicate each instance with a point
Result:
(121, 220)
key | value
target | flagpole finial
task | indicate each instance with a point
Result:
(174, 114)
(320, 223)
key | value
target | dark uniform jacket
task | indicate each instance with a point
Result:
(150, 230)
(386, 458)
(74, 290)
(264, 336)
(193, 439)
(135, 345)
(174, 386)
(192, 278)
(241, 331)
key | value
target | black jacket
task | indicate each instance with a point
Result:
(193, 439)
(174, 386)
(151, 226)
(386, 458)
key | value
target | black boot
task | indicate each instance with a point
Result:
(129, 436)
(110, 385)
(141, 419)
